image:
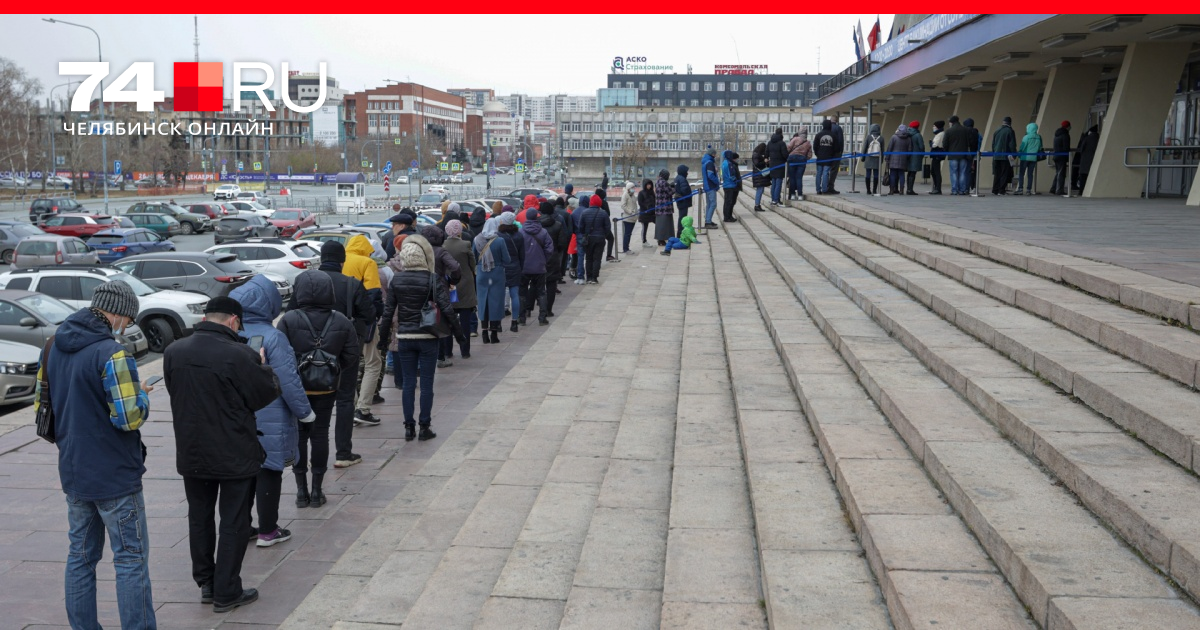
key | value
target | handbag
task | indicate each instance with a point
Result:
(44, 420)
(431, 315)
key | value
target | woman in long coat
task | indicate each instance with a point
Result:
(492, 254)
(664, 208)
(896, 161)
(646, 204)
(762, 176)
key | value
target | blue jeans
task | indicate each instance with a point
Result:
(580, 270)
(823, 176)
(776, 187)
(125, 520)
(1026, 175)
(417, 357)
(960, 176)
(796, 176)
(710, 207)
(758, 193)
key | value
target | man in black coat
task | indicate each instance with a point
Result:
(839, 147)
(826, 150)
(1004, 141)
(957, 142)
(1062, 159)
(350, 298)
(216, 383)
(777, 155)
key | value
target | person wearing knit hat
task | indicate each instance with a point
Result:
(937, 147)
(1004, 144)
(916, 161)
(510, 233)
(507, 217)
(897, 159)
(100, 458)
(458, 246)
(333, 251)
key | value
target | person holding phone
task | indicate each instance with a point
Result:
(277, 422)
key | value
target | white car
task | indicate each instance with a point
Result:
(252, 207)
(255, 196)
(58, 181)
(226, 191)
(402, 179)
(438, 188)
(274, 256)
(164, 315)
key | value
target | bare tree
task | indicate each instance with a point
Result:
(20, 130)
(633, 152)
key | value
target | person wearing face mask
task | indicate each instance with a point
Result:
(99, 405)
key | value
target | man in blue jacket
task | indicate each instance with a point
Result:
(99, 404)
(708, 167)
(731, 182)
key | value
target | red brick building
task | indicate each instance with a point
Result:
(407, 109)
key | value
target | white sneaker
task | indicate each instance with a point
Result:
(579, 281)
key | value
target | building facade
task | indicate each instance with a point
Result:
(475, 97)
(544, 108)
(744, 91)
(404, 109)
(305, 87)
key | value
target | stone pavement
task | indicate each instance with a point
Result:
(33, 516)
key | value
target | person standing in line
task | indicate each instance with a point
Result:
(664, 208)
(799, 153)
(314, 328)
(604, 182)
(360, 266)
(761, 179)
(936, 147)
(594, 227)
(825, 148)
(278, 432)
(410, 291)
(554, 228)
(873, 151)
(646, 202)
(916, 161)
(580, 258)
(493, 258)
(777, 156)
(839, 147)
(898, 146)
(602, 195)
(217, 385)
(99, 404)
(513, 271)
(1004, 142)
(974, 142)
(1062, 159)
(464, 307)
(572, 203)
(447, 268)
(956, 141)
(712, 183)
(539, 248)
(731, 183)
(1031, 154)
(1087, 153)
(402, 225)
(683, 193)
(629, 216)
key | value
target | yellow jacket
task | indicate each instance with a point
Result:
(359, 263)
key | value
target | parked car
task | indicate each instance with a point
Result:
(402, 179)
(58, 181)
(150, 182)
(42, 209)
(226, 191)
(243, 226)
(429, 179)
(189, 222)
(213, 211)
(164, 315)
(32, 318)
(520, 193)
(430, 200)
(81, 225)
(122, 222)
(53, 249)
(113, 245)
(251, 207)
(11, 233)
(254, 195)
(281, 257)
(160, 224)
(18, 372)
(211, 274)
(13, 181)
(343, 233)
(289, 220)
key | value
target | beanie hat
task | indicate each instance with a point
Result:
(916, 124)
(507, 218)
(1007, 120)
(223, 304)
(711, 151)
(413, 257)
(545, 208)
(938, 124)
(453, 228)
(1066, 123)
(569, 188)
(454, 207)
(573, 202)
(953, 119)
(498, 207)
(333, 251)
(117, 298)
(531, 215)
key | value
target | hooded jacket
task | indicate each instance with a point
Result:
(1031, 144)
(683, 190)
(974, 138)
(99, 444)
(1087, 149)
(515, 242)
(900, 143)
(592, 222)
(217, 383)
(530, 201)
(708, 167)
(276, 422)
(825, 145)
(554, 229)
(777, 154)
(916, 145)
(350, 298)
(444, 264)
(871, 161)
(408, 293)
(957, 139)
(539, 247)
(460, 250)
(360, 266)
(664, 195)
(629, 204)
(688, 233)
(1062, 145)
(799, 147)
(314, 296)
(731, 175)
(761, 178)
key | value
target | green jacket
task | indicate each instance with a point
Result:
(1031, 144)
(688, 235)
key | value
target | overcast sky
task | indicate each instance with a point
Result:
(533, 55)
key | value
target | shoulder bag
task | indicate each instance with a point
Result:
(45, 413)
(431, 315)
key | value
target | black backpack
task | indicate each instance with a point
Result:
(319, 369)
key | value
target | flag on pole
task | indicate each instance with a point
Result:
(873, 36)
(857, 49)
(861, 43)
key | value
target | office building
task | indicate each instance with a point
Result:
(745, 91)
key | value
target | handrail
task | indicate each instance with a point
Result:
(1150, 165)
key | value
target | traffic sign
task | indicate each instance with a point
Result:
(492, 172)
(397, 140)
(258, 166)
(443, 166)
(520, 168)
(222, 161)
(116, 167)
(495, 142)
(387, 168)
(387, 182)
(520, 160)
(414, 171)
(240, 166)
(365, 163)
(455, 166)
(413, 164)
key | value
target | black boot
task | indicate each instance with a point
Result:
(317, 498)
(487, 338)
(302, 500)
(426, 433)
(495, 332)
(513, 327)
(410, 432)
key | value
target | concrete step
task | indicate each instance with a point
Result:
(712, 577)
(471, 498)
(1034, 529)
(930, 569)
(1111, 385)
(1148, 500)
(1150, 294)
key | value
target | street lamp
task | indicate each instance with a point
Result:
(103, 137)
(53, 150)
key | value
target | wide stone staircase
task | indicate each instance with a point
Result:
(819, 417)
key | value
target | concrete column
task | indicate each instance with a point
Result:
(1015, 98)
(1068, 96)
(977, 105)
(1194, 196)
(1140, 101)
(939, 109)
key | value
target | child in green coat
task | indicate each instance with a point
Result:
(687, 236)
